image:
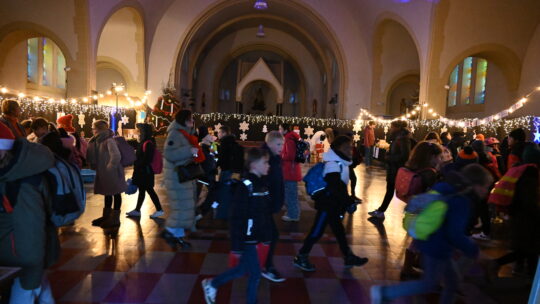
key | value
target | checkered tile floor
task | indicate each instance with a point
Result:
(134, 265)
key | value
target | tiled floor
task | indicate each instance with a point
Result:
(134, 265)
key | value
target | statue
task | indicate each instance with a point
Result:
(258, 103)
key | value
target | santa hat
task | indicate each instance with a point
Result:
(7, 139)
(66, 122)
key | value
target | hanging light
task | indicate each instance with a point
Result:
(260, 32)
(260, 5)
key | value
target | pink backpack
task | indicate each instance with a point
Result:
(409, 183)
(157, 159)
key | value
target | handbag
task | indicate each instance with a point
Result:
(189, 172)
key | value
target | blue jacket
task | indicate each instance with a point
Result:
(276, 183)
(451, 235)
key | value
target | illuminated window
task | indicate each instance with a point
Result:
(45, 63)
(467, 82)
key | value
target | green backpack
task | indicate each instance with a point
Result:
(425, 214)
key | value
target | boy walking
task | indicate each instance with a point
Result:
(249, 226)
(274, 146)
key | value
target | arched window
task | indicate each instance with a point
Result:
(45, 65)
(467, 82)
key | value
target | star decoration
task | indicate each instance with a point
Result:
(81, 121)
(308, 131)
(244, 126)
(357, 126)
(125, 120)
(217, 127)
(413, 129)
(537, 136)
(243, 137)
(356, 137)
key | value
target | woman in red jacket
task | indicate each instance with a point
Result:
(292, 173)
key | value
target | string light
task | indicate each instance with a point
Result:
(3, 90)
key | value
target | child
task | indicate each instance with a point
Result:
(331, 204)
(274, 146)
(249, 225)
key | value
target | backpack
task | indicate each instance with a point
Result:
(314, 179)
(302, 151)
(424, 215)
(67, 191)
(409, 183)
(157, 159)
(126, 150)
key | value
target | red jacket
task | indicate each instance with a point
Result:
(369, 136)
(292, 172)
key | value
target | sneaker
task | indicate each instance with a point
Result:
(286, 218)
(376, 295)
(481, 236)
(157, 214)
(302, 262)
(356, 199)
(133, 213)
(209, 291)
(272, 275)
(377, 214)
(353, 260)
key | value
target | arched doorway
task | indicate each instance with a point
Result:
(403, 95)
(259, 97)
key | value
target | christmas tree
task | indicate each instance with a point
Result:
(166, 107)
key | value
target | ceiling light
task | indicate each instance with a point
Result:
(260, 32)
(260, 5)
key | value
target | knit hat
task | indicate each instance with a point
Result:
(531, 154)
(491, 141)
(467, 153)
(7, 139)
(480, 137)
(66, 122)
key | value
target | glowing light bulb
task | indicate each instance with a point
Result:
(21, 95)
(496, 117)
(3, 90)
(408, 115)
(425, 105)
(94, 97)
(85, 99)
(109, 92)
(434, 114)
(62, 101)
(430, 110)
(148, 92)
(523, 100)
(413, 112)
(51, 100)
(418, 108)
(510, 110)
(73, 100)
(101, 95)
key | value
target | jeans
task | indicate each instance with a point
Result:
(249, 263)
(435, 270)
(368, 155)
(291, 199)
(322, 219)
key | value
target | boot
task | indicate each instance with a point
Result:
(99, 220)
(113, 220)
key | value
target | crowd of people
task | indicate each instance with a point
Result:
(462, 185)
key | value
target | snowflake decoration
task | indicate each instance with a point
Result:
(244, 126)
(356, 137)
(217, 127)
(125, 120)
(265, 129)
(308, 131)
(357, 126)
(243, 137)
(81, 117)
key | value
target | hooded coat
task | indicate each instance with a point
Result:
(27, 237)
(182, 196)
(104, 156)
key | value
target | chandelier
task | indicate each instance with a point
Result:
(260, 32)
(260, 5)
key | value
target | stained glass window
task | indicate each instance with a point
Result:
(32, 60)
(453, 90)
(60, 70)
(48, 62)
(480, 84)
(466, 81)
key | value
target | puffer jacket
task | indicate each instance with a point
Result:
(104, 156)
(182, 196)
(27, 237)
(250, 221)
(292, 172)
(336, 175)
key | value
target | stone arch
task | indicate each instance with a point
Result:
(411, 79)
(260, 71)
(104, 62)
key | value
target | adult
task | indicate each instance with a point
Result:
(230, 155)
(67, 131)
(143, 175)
(104, 157)
(24, 223)
(516, 143)
(40, 127)
(396, 157)
(457, 143)
(27, 125)
(208, 145)
(369, 142)
(11, 112)
(178, 151)
(292, 173)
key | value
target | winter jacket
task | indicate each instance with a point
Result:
(209, 164)
(336, 175)
(515, 155)
(276, 183)
(455, 143)
(231, 155)
(292, 172)
(182, 196)
(369, 136)
(249, 219)
(143, 176)
(13, 124)
(104, 156)
(451, 235)
(27, 237)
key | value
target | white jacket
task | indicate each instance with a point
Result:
(334, 163)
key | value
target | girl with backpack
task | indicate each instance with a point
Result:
(143, 173)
